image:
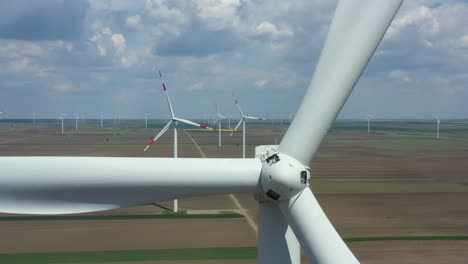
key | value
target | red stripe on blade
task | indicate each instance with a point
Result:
(203, 126)
(164, 86)
(151, 143)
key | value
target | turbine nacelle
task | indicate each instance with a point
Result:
(282, 176)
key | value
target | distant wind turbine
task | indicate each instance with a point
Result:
(146, 120)
(34, 117)
(229, 116)
(368, 123)
(173, 121)
(242, 121)
(438, 125)
(76, 121)
(4, 113)
(218, 120)
(61, 118)
(102, 117)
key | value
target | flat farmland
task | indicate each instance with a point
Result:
(396, 182)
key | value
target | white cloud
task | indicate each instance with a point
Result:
(64, 87)
(19, 65)
(159, 10)
(399, 75)
(217, 69)
(423, 17)
(269, 30)
(218, 14)
(237, 56)
(118, 40)
(133, 22)
(261, 83)
(464, 41)
(12, 49)
(99, 77)
(197, 86)
(169, 20)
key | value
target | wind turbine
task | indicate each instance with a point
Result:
(242, 121)
(369, 117)
(438, 125)
(229, 116)
(61, 119)
(277, 177)
(146, 120)
(4, 112)
(102, 117)
(76, 121)
(218, 120)
(173, 122)
(34, 114)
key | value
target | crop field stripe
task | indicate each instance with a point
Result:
(177, 254)
(389, 188)
(132, 255)
(404, 238)
(119, 217)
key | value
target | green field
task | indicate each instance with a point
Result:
(191, 254)
(118, 217)
(388, 187)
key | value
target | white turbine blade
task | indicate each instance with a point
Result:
(165, 128)
(355, 32)
(254, 118)
(238, 105)
(166, 93)
(314, 231)
(64, 185)
(276, 240)
(188, 122)
(237, 126)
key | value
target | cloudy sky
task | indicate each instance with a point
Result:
(102, 56)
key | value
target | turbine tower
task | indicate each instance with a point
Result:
(173, 122)
(3, 113)
(76, 121)
(277, 177)
(102, 117)
(369, 117)
(34, 114)
(438, 125)
(242, 121)
(229, 116)
(146, 120)
(61, 119)
(218, 120)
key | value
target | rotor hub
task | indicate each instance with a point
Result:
(282, 176)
